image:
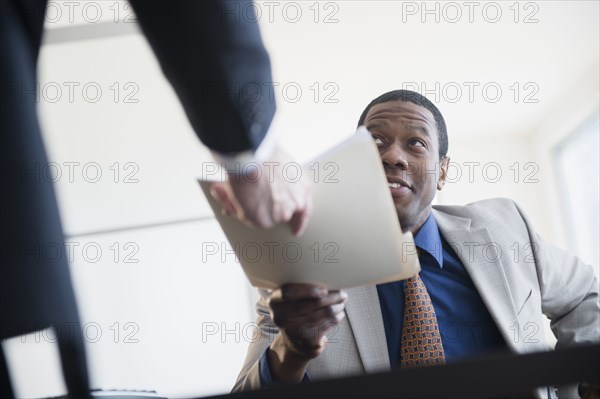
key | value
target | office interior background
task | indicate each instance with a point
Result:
(164, 304)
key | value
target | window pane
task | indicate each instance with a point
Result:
(578, 170)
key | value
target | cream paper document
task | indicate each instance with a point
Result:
(353, 237)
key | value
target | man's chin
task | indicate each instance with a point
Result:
(403, 217)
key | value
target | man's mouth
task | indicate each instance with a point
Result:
(398, 186)
(396, 182)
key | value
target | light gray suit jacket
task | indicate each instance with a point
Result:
(519, 277)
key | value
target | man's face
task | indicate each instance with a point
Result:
(407, 137)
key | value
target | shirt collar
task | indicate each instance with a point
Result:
(428, 239)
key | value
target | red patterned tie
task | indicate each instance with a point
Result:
(421, 340)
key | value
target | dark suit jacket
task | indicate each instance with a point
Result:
(209, 50)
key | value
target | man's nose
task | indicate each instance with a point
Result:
(393, 156)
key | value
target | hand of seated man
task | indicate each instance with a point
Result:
(305, 314)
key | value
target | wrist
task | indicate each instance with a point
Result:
(245, 162)
(287, 365)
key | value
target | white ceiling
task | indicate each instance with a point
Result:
(376, 46)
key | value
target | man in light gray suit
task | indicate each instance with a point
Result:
(489, 276)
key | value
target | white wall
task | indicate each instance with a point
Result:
(496, 167)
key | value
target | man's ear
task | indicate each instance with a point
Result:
(444, 162)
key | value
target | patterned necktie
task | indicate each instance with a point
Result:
(421, 340)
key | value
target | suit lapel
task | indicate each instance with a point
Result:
(364, 315)
(478, 254)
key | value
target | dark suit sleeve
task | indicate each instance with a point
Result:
(212, 53)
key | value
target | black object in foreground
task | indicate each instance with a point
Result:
(498, 376)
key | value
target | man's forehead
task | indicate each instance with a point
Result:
(400, 109)
(400, 113)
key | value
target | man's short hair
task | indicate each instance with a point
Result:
(415, 98)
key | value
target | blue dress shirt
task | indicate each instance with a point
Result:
(466, 326)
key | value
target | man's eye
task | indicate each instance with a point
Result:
(418, 143)
(377, 140)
